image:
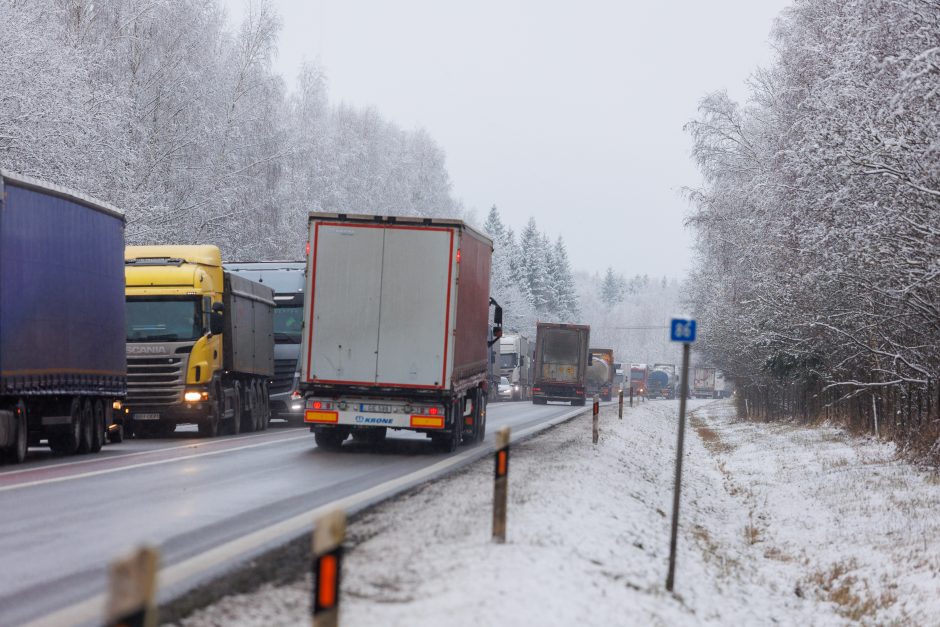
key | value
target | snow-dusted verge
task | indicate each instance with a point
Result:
(780, 524)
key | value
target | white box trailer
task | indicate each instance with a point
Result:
(397, 324)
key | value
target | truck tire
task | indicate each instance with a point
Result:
(116, 436)
(67, 443)
(481, 421)
(449, 442)
(98, 430)
(331, 440)
(234, 425)
(250, 409)
(580, 402)
(209, 426)
(539, 401)
(87, 433)
(16, 453)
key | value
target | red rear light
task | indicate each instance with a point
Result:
(458, 255)
(317, 405)
(433, 411)
(308, 249)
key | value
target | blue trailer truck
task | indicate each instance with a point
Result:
(63, 370)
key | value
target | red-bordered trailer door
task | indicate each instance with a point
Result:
(381, 298)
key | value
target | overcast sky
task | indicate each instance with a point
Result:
(571, 112)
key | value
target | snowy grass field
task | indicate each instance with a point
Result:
(780, 524)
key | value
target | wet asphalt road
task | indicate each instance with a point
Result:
(62, 520)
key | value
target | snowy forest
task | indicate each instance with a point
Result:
(163, 109)
(817, 282)
(534, 282)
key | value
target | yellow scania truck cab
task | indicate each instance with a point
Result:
(200, 343)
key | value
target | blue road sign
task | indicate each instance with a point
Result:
(682, 330)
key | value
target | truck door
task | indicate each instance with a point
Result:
(413, 338)
(346, 296)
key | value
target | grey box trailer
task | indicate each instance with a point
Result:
(397, 327)
(248, 338)
(62, 330)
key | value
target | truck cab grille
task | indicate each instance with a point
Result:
(155, 380)
(283, 376)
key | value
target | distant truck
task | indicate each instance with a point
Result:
(618, 376)
(397, 319)
(722, 385)
(515, 363)
(703, 383)
(661, 382)
(600, 374)
(286, 278)
(200, 343)
(639, 377)
(62, 366)
(561, 363)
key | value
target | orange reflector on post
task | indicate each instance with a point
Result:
(321, 416)
(502, 460)
(429, 422)
(326, 581)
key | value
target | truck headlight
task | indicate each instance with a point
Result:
(194, 396)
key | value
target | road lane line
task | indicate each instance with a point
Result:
(91, 610)
(106, 471)
(121, 455)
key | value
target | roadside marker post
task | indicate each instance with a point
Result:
(620, 410)
(597, 408)
(132, 589)
(631, 395)
(681, 330)
(500, 485)
(327, 547)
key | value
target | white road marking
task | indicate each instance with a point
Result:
(91, 610)
(122, 455)
(107, 471)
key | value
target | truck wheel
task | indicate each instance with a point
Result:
(67, 443)
(87, 431)
(209, 426)
(331, 440)
(249, 417)
(97, 427)
(448, 442)
(116, 436)
(16, 453)
(234, 426)
(481, 421)
(539, 401)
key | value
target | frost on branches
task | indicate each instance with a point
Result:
(531, 277)
(160, 108)
(818, 279)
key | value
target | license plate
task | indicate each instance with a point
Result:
(382, 409)
(146, 416)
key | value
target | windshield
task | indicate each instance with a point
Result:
(163, 319)
(287, 321)
(503, 381)
(507, 360)
(637, 375)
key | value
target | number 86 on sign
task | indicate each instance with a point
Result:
(682, 330)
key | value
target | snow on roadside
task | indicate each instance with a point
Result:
(779, 524)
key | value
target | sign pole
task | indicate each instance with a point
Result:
(681, 330)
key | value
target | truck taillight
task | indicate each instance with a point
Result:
(458, 255)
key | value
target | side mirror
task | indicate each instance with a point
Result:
(498, 316)
(590, 359)
(216, 321)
